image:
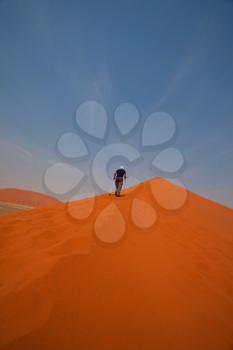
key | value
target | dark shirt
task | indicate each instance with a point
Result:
(120, 173)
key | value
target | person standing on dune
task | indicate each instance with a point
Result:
(119, 177)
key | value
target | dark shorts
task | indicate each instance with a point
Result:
(119, 184)
(119, 179)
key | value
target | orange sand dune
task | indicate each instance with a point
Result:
(28, 198)
(6, 208)
(68, 283)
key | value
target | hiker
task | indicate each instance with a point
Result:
(119, 177)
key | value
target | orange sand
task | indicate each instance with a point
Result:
(28, 198)
(161, 288)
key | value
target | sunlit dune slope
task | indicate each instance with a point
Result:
(28, 198)
(6, 208)
(168, 286)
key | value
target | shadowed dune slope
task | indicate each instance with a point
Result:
(168, 286)
(28, 198)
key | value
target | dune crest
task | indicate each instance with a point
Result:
(27, 198)
(167, 283)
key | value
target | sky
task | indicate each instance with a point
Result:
(165, 58)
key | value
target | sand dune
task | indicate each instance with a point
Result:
(27, 198)
(6, 208)
(150, 278)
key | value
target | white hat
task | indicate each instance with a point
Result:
(122, 167)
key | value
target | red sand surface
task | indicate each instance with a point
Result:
(28, 198)
(161, 288)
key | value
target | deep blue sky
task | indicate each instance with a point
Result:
(169, 56)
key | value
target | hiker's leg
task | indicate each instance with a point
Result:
(116, 185)
(120, 183)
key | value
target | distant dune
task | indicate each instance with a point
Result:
(168, 287)
(27, 198)
(6, 208)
